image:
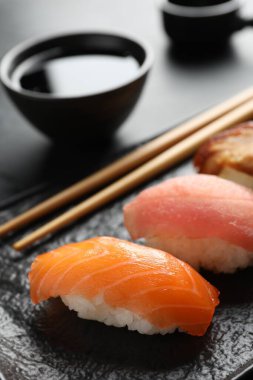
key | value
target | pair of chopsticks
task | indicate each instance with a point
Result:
(141, 165)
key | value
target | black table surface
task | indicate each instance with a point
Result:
(180, 85)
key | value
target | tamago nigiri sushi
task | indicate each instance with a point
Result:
(125, 284)
(202, 219)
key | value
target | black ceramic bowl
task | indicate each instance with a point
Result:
(82, 116)
(202, 21)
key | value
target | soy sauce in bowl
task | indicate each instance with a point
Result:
(77, 87)
(73, 75)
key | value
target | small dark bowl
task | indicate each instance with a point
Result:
(202, 22)
(78, 117)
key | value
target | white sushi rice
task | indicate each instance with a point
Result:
(96, 309)
(212, 254)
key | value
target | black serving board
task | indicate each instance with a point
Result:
(50, 342)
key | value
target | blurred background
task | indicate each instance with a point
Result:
(182, 83)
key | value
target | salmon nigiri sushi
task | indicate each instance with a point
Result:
(202, 219)
(125, 284)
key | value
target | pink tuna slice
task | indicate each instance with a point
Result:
(196, 206)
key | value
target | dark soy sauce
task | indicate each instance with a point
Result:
(83, 74)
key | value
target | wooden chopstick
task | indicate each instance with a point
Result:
(125, 164)
(150, 169)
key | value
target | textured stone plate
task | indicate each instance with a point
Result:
(49, 342)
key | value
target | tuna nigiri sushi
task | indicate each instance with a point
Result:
(202, 219)
(125, 284)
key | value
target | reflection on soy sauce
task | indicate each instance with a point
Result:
(84, 74)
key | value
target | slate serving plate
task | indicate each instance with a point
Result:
(50, 342)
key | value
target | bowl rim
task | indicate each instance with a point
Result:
(198, 12)
(14, 52)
